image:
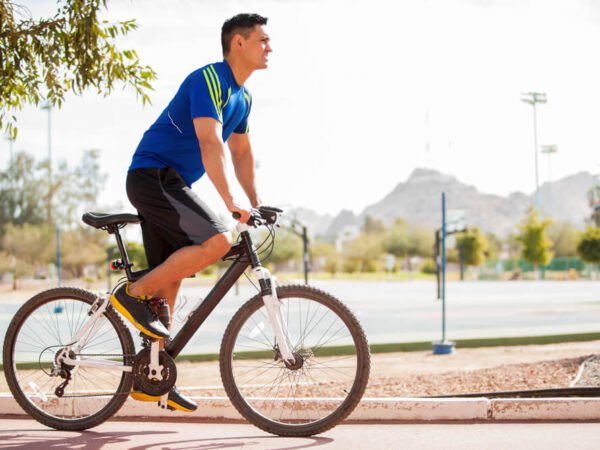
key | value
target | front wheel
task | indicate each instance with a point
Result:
(67, 397)
(326, 380)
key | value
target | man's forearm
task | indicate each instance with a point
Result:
(244, 171)
(213, 158)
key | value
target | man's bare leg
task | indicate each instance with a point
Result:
(165, 279)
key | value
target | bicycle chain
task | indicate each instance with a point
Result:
(99, 395)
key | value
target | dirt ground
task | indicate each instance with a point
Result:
(422, 373)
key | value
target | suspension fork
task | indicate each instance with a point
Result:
(268, 291)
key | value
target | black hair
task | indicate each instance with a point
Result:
(239, 24)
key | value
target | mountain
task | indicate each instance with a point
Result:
(418, 200)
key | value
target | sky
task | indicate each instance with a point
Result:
(360, 93)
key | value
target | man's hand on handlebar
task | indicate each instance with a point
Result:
(264, 215)
(240, 214)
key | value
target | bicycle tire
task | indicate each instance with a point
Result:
(52, 317)
(315, 357)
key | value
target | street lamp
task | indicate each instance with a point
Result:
(534, 98)
(47, 106)
(548, 150)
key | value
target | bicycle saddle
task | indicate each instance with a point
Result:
(100, 220)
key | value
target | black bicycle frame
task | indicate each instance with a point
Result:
(246, 257)
(199, 315)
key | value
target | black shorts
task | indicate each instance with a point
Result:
(173, 214)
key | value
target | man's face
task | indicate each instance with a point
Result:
(256, 48)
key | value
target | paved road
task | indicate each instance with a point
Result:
(408, 311)
(28, 434)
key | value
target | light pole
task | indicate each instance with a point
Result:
(533, 98)
(548, 150)
(47, 106)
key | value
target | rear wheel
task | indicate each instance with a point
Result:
(324, 383)
(61, 396)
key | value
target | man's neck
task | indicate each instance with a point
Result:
(240, 72)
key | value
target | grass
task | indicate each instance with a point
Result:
(394, 347)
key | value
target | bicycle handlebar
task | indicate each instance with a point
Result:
(264, 215)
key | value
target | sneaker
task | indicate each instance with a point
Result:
(175, 400)
(137, 310)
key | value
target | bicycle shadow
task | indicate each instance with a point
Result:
(92, 440)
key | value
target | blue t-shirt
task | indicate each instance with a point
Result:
(210, 91)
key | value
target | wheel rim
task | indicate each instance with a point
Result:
(297, 394)
(37, 343)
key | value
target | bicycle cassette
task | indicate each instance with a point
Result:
(153, 383)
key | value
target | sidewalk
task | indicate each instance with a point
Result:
(151, 435)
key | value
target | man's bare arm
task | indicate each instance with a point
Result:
(243, 163)
(208, 132)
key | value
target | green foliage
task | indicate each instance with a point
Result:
(363, 253)
(429, 266)
(25, 248)
(25, 191)
(81, 247)
(396, 240)
(325, 254)
(406, 240)
(494, 247)
(22, 191)
(135, 252)
(473, 246)
(69, 52)
(589, 245)
(288, 247)
(373, 225)
(536, 244)
(565, 238)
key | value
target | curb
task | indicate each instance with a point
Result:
(391, 409)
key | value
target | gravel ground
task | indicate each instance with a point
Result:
(467, 371)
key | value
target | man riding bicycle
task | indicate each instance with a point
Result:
(181, 234)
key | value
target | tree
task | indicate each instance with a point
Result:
(589, 247)
(363, 253)
(326, 256)
(24, 190)
(69, 52)
(373, 225)
(535, 242)
(396, 240)
(81, 247)
(565, 238)
(31, 246)
(288, 247)
(473, 246)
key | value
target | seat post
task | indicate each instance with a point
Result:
(114, 229)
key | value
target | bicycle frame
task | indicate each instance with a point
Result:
(225, 283)
(201, 312)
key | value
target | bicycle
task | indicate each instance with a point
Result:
(294, 360)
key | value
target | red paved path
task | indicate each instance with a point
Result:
(28, 434)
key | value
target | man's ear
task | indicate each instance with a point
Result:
(237, 40)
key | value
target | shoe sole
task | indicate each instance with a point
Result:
(143, 397)
(117, 305)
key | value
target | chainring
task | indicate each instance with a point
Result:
(146, 382)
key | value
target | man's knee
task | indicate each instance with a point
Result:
(220, 243)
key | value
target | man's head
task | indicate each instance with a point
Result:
(244, 37)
